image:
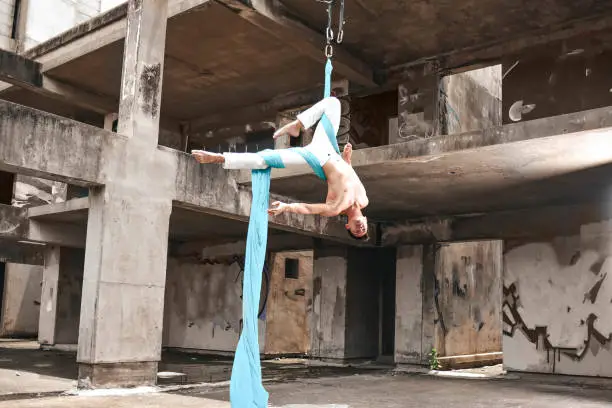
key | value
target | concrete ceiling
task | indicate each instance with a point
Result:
(389, 32)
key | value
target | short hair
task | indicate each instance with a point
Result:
(365, 236)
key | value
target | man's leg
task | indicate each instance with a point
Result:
(248, 161)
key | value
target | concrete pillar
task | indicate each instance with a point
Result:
(409, 305)
(121, 320)
(471, 100)
(60, 303)
(328, 323)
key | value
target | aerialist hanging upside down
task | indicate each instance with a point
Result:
(345, 193)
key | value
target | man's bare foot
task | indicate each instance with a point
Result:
(292, 129)
(203, 156)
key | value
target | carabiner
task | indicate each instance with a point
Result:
(329, 51)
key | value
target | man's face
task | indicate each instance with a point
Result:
(358, 226)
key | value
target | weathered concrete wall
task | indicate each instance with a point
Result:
(20, 308)
(409, 305)
(558, 304)
(468, 300)
(289, 305)
(48, 18)
(203, 307)
(329, 301)
(471, 100)
(7, 10)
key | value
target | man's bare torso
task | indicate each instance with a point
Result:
(344, 186)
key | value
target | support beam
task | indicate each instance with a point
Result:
(204, 252)
(540, 222)
(270, 17)
(15, 226)
(43, 145)
(19, 71)
(563, 128)
(28, 254)
(213, 190)
(257, 112)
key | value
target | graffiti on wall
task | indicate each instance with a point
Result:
(556, 314)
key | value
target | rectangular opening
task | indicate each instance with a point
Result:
(292, 268)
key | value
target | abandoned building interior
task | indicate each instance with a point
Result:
(482, 133)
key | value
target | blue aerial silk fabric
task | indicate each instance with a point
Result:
(246, 387)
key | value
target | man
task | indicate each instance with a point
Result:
(345, 194)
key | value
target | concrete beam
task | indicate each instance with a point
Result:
(257, 112)
(15, 226)
(531, 223)
(20, 253)
(43, 145)
(482, 55)
(427, 150)
(18, 70)
(204, 252)
(213, 190)
(270, 17)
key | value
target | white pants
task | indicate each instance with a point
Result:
(320, 146)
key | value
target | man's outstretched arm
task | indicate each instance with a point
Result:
(328, 210)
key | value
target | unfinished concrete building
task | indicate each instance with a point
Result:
(482, 136)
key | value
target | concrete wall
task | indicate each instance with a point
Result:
(7, 10)
(568, 78)
(203, 307)
(409, 306)
(329, 301)
(468, 298)
(471, 100)
(48, 18)
(558, 304)
(21, 301)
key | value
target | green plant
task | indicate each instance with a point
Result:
(434, 364)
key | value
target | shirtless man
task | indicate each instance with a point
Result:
(345, 194)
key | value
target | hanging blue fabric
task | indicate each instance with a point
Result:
(246, 387)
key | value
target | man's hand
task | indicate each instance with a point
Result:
(278, 208)
(347, 153)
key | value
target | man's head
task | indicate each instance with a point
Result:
(357, 225)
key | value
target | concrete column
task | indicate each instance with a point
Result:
(328, 323)
(121, 321)
(471, 100)
(409, 305)
(48, 297)
(61, 296)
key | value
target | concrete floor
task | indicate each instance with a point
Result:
(25, 372)
(364, 391)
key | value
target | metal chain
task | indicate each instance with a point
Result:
(329, 32)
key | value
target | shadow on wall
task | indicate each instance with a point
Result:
(557, 307)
